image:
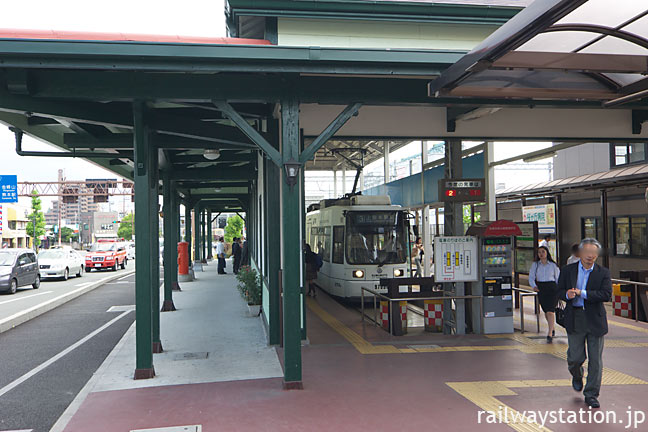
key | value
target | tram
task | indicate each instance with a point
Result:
(361, 239)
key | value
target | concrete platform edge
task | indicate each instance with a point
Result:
(35, 311)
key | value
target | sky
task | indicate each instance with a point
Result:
(186, 18)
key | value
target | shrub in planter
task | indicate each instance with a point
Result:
(249, 285)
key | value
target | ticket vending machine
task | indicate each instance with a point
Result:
(495, 281)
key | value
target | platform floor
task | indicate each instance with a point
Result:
(357, 377)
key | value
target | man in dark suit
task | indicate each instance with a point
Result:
(585, 285)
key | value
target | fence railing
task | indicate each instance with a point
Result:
(391, 300)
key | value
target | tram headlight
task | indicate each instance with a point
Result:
(399, 272)
(358, 274)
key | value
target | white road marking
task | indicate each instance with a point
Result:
(124, 277)
(84, 284)
(118, 282)
(21, 430)
(121, 308)
(67, 350)
(24, 297)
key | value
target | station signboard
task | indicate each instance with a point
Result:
(462, 190)
(8, 188)
(455, 259)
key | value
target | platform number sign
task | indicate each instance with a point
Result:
(462, 190)
(8, 188)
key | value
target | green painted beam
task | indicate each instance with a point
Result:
(329, 131)
(196, 58)
(154, 226)
(249, 131)
(170, 242)
(291, 248)
(273, 180)
(44, 134)
(143, 293)
(212, 174)
(372, 10)
(225, 157)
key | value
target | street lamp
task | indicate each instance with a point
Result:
(292, 171)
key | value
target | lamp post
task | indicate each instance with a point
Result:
(292, 172)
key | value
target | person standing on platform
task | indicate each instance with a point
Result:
(417, 254)
(237, 252)
(245, 254)
(585, 286)
(574, 258)
(312, 266)
(543, 278)
(220, 253)
(545, 242)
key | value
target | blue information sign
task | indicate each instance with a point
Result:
(8, 188)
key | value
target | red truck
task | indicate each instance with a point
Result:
(106, 254)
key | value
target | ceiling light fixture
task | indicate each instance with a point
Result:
(211, 154)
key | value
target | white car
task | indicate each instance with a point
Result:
(60, 263)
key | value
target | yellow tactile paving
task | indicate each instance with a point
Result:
(628, 326)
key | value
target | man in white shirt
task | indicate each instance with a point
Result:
(220, 254)
(545, 242)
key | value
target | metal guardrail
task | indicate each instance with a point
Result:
(636, 286)
(528, 293)
(391, 300)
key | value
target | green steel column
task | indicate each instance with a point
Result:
(209, 236)
(197, 211)
(170, 265)
(188, 236)
(273, 198)
(291, 248)
(155, 250)
(203, 226)
(175, 221)
(143, 309)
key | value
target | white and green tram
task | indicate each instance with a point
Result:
(361, 239)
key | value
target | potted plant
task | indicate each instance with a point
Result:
(250, 288)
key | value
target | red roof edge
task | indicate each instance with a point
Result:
(124, 37)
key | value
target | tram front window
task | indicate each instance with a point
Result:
(375, 238)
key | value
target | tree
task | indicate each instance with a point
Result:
(36, 224)
(466, 215)
(125, 230)
(68, 234)
(234, 228)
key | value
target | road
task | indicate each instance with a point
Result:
(46, 361)
(27, 297)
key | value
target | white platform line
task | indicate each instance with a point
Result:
(25, 297)
(84, 284)
(21, 430)
(69, 349)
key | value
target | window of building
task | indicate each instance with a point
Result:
(592, 227)
(338, 245)
(626, 154)
(630, 236)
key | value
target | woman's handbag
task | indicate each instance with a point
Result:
(560, 313)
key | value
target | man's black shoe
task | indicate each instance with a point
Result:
(577, 384)
(592, 402)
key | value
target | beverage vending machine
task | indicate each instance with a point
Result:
(495, 281)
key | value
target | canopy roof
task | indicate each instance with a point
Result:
(559, 49)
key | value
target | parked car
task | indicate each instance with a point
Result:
(106, 254)
(18, 267)
(60, 263)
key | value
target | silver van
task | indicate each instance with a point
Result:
(18, 267)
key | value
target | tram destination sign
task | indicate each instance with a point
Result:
(462, 190)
